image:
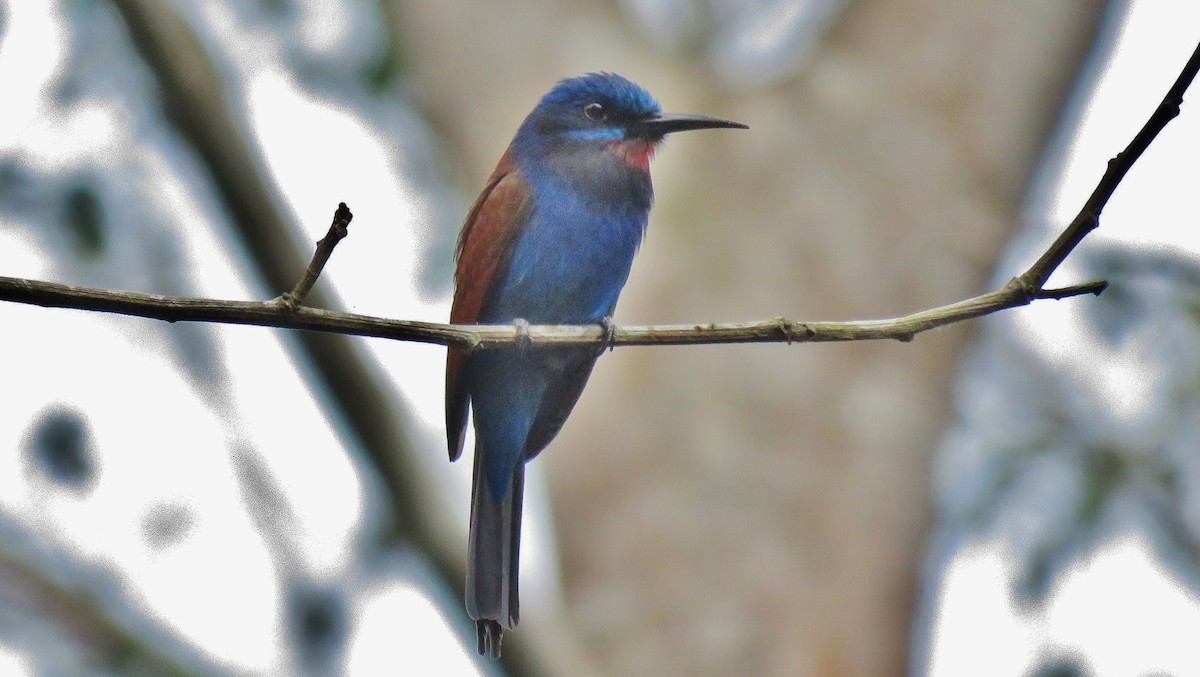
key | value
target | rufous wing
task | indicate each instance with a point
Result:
(485, 247)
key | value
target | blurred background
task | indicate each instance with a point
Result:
(1013, 496)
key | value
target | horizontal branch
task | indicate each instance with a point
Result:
(286, 313)
(277, 313)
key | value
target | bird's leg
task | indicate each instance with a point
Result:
(610, 334)
(522, 327)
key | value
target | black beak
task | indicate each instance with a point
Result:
(661, 125)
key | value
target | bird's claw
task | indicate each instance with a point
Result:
(610, 334)
(522, 327)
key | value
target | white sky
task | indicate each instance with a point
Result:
(1120, 612)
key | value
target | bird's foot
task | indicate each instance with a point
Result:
(490, 633)
(610, 334)
(522, 327)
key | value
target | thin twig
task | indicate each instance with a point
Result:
(1019, 291)
(1095, 287)
(338, 230)
(1089, 216)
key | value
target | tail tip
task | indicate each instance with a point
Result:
(490, 633)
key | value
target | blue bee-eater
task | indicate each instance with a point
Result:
(550, 240)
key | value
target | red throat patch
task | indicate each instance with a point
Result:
(636, 153)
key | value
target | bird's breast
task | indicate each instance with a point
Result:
(573, 258)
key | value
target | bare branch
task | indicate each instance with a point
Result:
(1089, 216)
(338, 230)
(274, 314)
(1095, 287)
(285, 312)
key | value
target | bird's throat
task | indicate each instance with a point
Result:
(636, 152)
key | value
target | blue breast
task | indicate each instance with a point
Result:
(574, 255)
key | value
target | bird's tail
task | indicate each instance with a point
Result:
(492, 558)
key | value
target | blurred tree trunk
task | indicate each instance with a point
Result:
(763, 509)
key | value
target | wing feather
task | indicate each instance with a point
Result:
(485, 247)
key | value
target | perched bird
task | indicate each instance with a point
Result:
(550, 240)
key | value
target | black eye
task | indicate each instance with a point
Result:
(595, 111)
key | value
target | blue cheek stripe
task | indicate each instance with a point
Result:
(597, 134)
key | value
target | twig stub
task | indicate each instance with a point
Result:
(338, 230)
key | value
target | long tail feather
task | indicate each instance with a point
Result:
(493, 554)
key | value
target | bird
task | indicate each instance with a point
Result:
(550, 240)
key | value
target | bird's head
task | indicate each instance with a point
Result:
(606, 112)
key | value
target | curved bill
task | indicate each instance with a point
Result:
(681, 122)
